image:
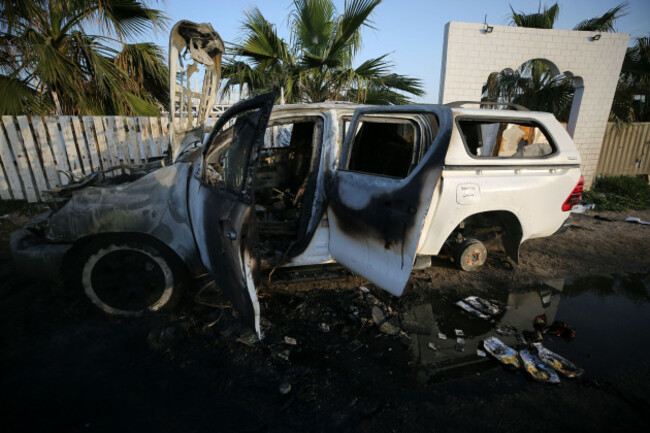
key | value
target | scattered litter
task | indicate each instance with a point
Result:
(479, 307)
(290, 341)
(636, 220)
(501, 352)
(4, 217)
(537, 369)
(324, 327)
(483, 305)
(284, 354)
(560, 364)
(459, 332)
(249, 338)
(442, 336)
(460, 340)
(285, 388)
(432, 346)
(532, 336)
(378, 316)
(354, 345)
(582, 208)
(364, 289)
(481, 353)
(459, 347)
(561, 329)
(539, 322)
(389, 328)
(465, 306)
(505, 330)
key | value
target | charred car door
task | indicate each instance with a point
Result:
(220, 200)
(388, 171)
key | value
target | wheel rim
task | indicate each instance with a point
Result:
(127, 280)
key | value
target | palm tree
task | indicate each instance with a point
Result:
(48, 60)
(632, 98)
(317, 64)
(533, 84)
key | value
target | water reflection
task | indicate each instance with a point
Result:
(605, 312)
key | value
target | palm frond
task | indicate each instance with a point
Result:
(604, 23)
(542, 19)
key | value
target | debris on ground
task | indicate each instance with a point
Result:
(382, 322)
(539, 322)
(432, 346)
(636, 220)
(354, 345)
(561, 329)
(284, 388)
(248, 338)
(481, 353)
(479, 307)
(364, 289)
(506, 330)
(290, 341)
(582, 208)
(559, 363)
(503, 353)
(459, 332)
(442, 336)
(537, 369)
(532, 336)
(324, 327)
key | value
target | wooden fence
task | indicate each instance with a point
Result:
(40, 153)
(626, 150)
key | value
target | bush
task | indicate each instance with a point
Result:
(619, 193)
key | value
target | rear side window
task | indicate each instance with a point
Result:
(505, 139)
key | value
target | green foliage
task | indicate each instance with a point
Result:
(534, 86)
(619, 193)
(50, 63)
(542, 19)
(316, 65)
(605, 22)
(632, 98)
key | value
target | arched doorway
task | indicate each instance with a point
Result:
(538, 85)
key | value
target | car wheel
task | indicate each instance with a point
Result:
(471, 255)
(129, 278)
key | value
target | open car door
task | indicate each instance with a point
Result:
(221, 203)
(376, 214)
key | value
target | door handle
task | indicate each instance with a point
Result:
(231, 234)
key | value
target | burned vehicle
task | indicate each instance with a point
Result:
(378, 189)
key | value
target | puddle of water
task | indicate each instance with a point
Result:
(611, 318)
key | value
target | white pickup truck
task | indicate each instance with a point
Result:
(377, 189)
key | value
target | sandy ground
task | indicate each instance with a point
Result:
(64, 366)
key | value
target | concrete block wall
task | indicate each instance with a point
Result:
(470, 55)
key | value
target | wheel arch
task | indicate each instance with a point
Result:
(506, 220)
(69, 262)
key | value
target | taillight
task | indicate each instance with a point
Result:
(574, 197)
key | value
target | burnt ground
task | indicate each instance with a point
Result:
(66, 367)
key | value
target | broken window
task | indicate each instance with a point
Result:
(389, 146)
(383, 147)
(226, 165)
(505, 139)
(285, 185)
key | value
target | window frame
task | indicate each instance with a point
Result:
(517, 120)
(398, 117)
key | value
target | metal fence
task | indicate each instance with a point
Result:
(625, 150)
(40, 153)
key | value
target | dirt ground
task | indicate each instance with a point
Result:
(67, 367)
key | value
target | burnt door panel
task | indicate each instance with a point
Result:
(376, 221)
(220, 199)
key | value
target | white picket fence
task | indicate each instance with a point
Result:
(37, 152)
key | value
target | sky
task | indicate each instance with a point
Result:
(411, 31)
